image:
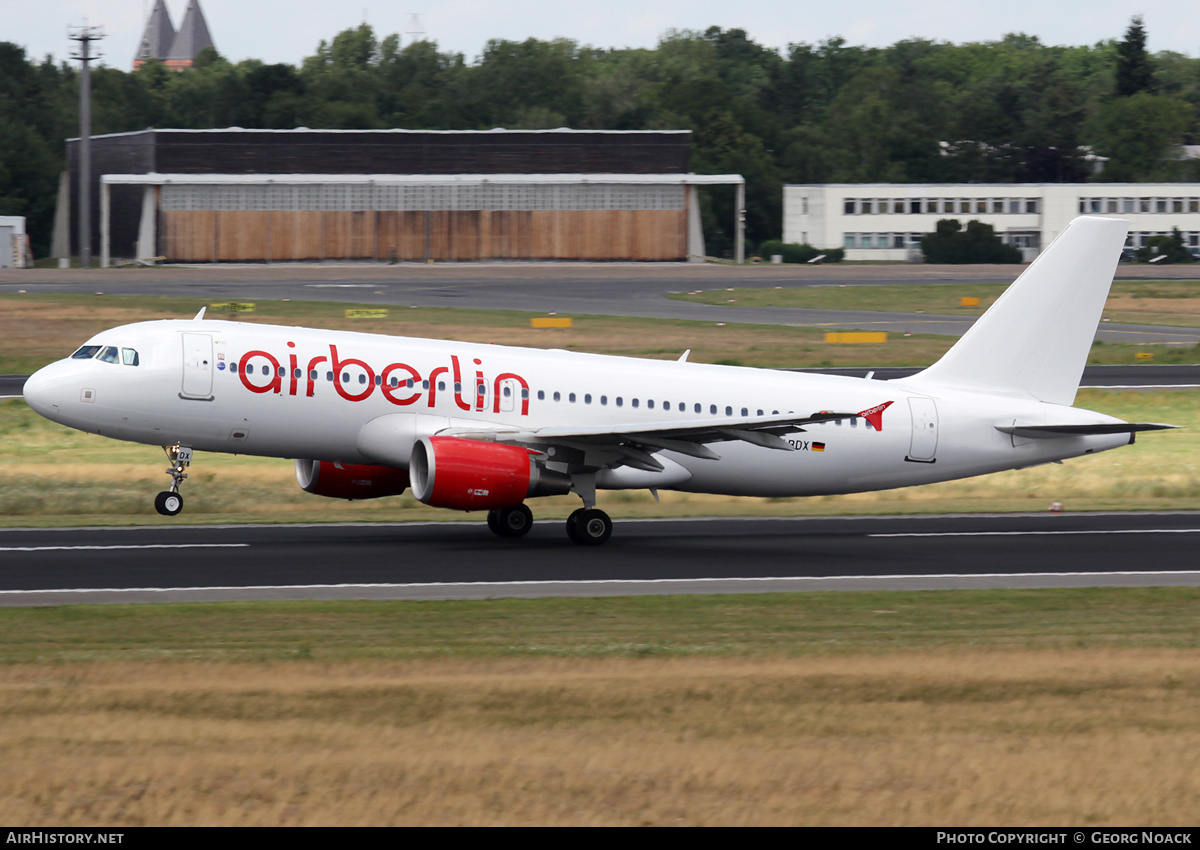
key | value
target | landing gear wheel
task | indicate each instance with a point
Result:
(589, 526)
(572, 522)
(510, 522)
(168, 503)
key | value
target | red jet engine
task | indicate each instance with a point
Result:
(350, 480)
(471, 475)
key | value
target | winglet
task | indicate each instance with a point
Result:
(683, 357)
(874, 415)
(200, 315)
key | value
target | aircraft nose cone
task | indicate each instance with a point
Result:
(41, 393)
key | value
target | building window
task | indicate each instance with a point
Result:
(850, 240)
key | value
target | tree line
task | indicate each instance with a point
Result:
(1012, 110)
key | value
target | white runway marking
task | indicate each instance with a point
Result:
(499, 586)
(130, 546)
(1036, 533)
(1139, 386)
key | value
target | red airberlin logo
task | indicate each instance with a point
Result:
(874, 415)
(293, 381)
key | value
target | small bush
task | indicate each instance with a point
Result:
(793, 252)
(978, 243)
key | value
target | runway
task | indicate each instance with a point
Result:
(463, 560)
(634, 290)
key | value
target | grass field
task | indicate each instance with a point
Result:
(935, 708)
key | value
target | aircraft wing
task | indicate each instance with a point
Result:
(633, 444)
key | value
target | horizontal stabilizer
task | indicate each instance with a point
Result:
(1081, 430)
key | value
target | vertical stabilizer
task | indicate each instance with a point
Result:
(1034, 340)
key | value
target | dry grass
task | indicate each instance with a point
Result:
(1102, 738)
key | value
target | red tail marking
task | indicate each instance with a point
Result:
(874, 415)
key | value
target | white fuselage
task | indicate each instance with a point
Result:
(303, 393)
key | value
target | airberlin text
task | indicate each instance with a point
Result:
(399, 383)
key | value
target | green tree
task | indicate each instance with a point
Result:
(1136, 134)
(721, 146)
(1135, 73)
(1170, 248)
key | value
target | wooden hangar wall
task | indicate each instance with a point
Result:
(251, 221)
(396, 220)
(201, 236)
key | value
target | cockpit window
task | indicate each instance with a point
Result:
(109, 354)
(129, 356)
(86, 352)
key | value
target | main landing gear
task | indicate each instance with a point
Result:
(170, 502)
(589, 526)
(510, 522)
(586, 526)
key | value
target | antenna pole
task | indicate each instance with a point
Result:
(85, 35)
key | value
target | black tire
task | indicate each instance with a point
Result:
(592, 527)
(493, 520)
(573, 526)
(168, 503)
(512, 522)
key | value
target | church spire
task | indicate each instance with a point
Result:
(157, 37)
(192, 37)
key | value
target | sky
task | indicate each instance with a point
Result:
(289, 30)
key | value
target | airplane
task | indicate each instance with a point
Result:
(485, 428)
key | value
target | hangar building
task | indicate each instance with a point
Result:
(237, 195)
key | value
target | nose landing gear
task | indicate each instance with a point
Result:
(170, 502)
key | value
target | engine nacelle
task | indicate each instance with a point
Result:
(471, 475)
(350, 480)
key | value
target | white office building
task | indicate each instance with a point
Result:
(885, 221)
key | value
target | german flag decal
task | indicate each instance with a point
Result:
(818, 447)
